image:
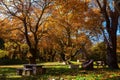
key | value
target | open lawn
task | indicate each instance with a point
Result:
(60, 73)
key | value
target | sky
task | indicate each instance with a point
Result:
(118, 32)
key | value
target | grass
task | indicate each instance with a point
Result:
(60, 73)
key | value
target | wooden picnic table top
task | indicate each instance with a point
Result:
(32, 65)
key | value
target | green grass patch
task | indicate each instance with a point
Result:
(60, 72)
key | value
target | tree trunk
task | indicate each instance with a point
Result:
(53, 56)
(32, 60)
(63, 56)
(34, 56)
(111, 18)
(111, 48)
(111, 59)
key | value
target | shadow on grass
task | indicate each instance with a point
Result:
(114, 78)
(50, 73)
(77, 74)
(7, 70)
(64, 71)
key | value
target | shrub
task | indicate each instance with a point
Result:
(3, 53)
(7, 61)
(98, 52)
(118, 56)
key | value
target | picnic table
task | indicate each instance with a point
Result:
(31, 69)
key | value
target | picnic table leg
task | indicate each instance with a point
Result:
(20, 71)
(28, 72)
(34, 70)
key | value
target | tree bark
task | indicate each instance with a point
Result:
(111, 48)
(63, 56)
(34, 56)
(111, 19)
(32, 60)
(111, 59)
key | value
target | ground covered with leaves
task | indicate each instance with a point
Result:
(9, 73)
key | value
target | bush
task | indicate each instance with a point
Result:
(118, 56)
(3, 53)
(98, 52)
(7, 61)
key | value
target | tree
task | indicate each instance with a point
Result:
(74, 18)
(28, 16)
(111, 16)
(118, 43)
(48, 48)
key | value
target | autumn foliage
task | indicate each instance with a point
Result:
(62, 28)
